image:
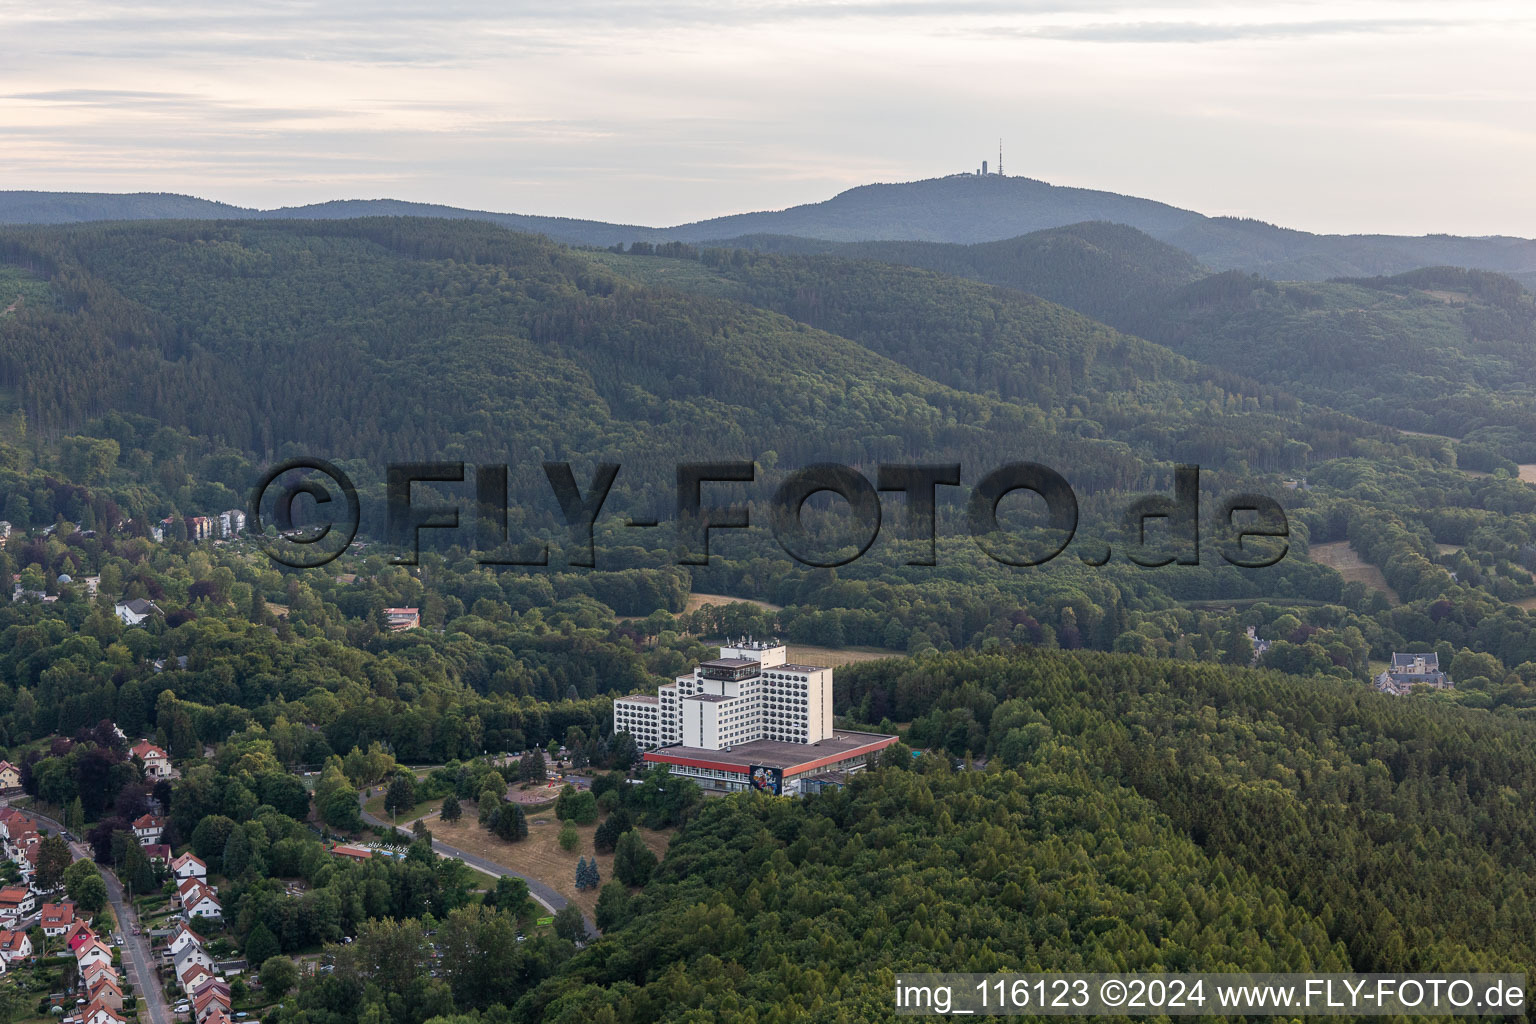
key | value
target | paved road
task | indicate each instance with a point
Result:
(546, 897)
(137, 958)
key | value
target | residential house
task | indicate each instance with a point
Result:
(10, 776)
(136, 611)
(148, 829)
(198, 900)
(92, 974)
(157, 763)
(188, 866)
(189, 953)
(58, 918)
(101, 1013)
(209, 999)
(402, 618)
(107, 988)
(16, 901)
(78, 935)
(158, 853)
(14, 946)
(193, 976)
(199, 528)
(183, 937)
(93, 951)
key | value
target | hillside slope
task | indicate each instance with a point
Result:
(961, 208)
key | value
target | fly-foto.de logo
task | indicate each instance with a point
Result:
(314, 514)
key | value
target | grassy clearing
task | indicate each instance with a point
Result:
(540, 856)
(697, 601)
(376, 806)
(832, 657)
(1344, 560)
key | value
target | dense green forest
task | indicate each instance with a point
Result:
(154, 368)
(1114, 776)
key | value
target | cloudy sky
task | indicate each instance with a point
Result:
(1411, 116)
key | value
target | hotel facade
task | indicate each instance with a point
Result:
(749, 719)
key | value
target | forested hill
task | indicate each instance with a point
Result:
(1134, 816)
(1108, 271)
(412, 338)
(961, 208)
(1441, 350)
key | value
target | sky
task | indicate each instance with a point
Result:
(1405, 117)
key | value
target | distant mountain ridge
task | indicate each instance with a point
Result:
(962, 209)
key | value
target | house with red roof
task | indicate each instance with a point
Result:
(106, 988)
(158, 853)
(92, 973)
(157, 763)
(194, 975)
(92, 951)
(148, 829)
(16, 901)
(10, 776)
(78, 933)
(188, 866)
(100, 1013)
(352, 852)
(57, 918)
(14, 945)
(210, 997)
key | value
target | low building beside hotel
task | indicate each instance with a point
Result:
(749, 719)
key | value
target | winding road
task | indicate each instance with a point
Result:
(543, 894)
(138, 961)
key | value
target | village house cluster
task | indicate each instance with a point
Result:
(206, 992)
(224, 526)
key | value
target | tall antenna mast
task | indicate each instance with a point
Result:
(999, 158)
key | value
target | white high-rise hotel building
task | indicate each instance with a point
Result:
(750, 692)
(757, 709)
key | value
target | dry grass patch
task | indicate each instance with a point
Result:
(1344, 560)
(540, 856)
(697, 601)
(832, 657)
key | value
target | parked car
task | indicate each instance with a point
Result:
(181, 1008)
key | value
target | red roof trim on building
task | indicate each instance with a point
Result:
(692, 762)
(799, 769)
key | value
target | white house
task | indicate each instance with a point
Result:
(183, 938)
(135, 611)
(14, 946)
(188, 866)
(16, 901)
(198, 900)
(57, 918)
(189, 954)
(101, 1013)
(93, 951)
(157, 763)
(193, 976)
(148, 829)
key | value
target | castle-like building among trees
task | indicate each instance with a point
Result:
(748, 720)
